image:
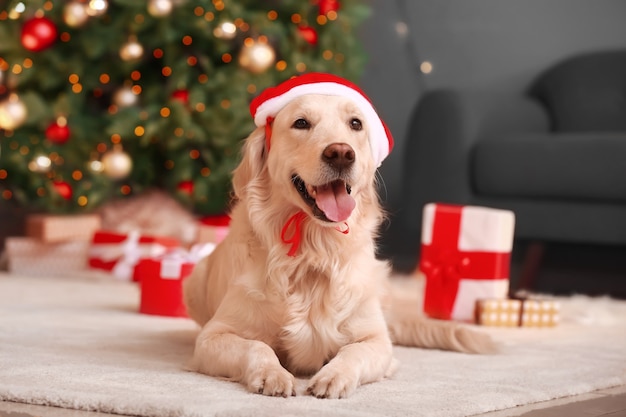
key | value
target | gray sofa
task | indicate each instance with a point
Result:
(555, 155)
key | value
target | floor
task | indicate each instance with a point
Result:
(565, 270)
(604, 403)
(609, 402)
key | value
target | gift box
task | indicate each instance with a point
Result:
(30, 256)
(518, 312)
(161, 286)
(161, 280)
(119, 253)
(213, 229)
(465, 256)
(60, 228)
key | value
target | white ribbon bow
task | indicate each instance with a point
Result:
(172, 261)
(127, 253)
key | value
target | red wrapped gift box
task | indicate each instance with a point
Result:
(161, 280)
(119, 253)
(465, 256)
(161, 283)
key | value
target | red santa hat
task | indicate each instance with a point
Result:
(273, 99)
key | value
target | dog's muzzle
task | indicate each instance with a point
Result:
(329, 202)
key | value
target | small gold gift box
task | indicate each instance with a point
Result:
(517, 312)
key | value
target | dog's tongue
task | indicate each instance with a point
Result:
(334, 201)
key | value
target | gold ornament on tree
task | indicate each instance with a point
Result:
(131, 50)
(75, 14)
(13, 112)
(160, 8)
(256, 55)
(116, 164)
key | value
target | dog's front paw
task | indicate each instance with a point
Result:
(274, 381)
(328, 383)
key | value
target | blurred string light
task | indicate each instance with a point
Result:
(17, 10)
(96, 166)
(426, 67)
(131, 50)
(402, 29)
(97, 7)
(13, 112)
(75, 14)
(40, 163)
(225, 30)
(160, 8)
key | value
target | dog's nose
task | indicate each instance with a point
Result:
(338, 155)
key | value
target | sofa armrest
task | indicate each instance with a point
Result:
(443, 128)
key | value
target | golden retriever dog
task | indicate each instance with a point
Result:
(296, 289)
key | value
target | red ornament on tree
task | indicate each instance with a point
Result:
(309, 34)
(326, 6)
(181, 95)
(38, 34)
(185, 186)
(63, 188)
(58, 132)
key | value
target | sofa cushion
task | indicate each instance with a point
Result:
(586, 92)
(543, 165)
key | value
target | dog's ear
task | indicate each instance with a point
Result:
(252, 162)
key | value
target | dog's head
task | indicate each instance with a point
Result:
(317, 149)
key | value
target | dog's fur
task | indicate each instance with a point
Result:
(325, 312)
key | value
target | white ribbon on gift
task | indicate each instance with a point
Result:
(127, 253)
(173, 260)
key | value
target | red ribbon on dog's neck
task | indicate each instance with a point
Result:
(296, 237)
(297, 218)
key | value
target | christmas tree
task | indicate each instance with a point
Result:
(103, 99)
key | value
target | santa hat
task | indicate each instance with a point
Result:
(273, 99)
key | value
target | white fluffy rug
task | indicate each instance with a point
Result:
(80, 343)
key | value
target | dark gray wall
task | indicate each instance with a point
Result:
(473, 44)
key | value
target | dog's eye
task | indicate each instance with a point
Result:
(301, 124)
(355, 124)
